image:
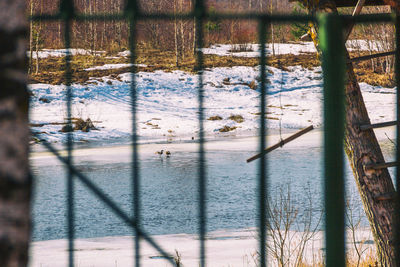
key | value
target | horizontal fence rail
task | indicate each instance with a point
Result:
(332, 46)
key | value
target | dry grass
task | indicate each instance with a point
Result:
(369, 261)
(215, 118)
(227, 128)
(237, 118)
(52, 68)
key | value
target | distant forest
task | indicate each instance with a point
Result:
(112, 36)
(179, 35)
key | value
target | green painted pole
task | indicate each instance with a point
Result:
(333, 63)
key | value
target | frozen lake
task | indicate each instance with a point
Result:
(169, 186)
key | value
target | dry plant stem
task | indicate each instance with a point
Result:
(178, 259)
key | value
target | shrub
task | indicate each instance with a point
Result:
(215, 118)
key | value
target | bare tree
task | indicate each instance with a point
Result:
(15, 183)
(30, 38)
(182, 30)
(272, 31)
(176, 35)
(38, 40)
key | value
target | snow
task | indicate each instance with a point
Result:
(114, 66)
(365, 45)
(44, 53)
(125, 53)
(223, 248)
(167, 105)
(280, 49)
(224, 49)
(288, 48)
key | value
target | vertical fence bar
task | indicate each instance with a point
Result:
(199, 12)
(397, 172)
(67, 13)
(132, 11)
(262, 179)
(333, 63)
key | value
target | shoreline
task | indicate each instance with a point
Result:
(211, 144)
(313, 139)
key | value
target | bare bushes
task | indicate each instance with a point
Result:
(377, 38)
(359, 246)
(293, 223)
(241, 39)
(235, 48)
(295, 234)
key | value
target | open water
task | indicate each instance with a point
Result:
(169, 189)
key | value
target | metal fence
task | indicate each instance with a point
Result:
(331, 43)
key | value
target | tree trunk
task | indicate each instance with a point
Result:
(362, 148)
(182, 33)
(194, 37)
(31, 39)
(272, 32)
(94, 29)
(37, 39)
(15, 183)
(176, 36)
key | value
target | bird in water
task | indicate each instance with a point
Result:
(167, 153)
(160, 152)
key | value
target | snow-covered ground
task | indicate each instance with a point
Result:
(254, 49)
(167, 106)
(114, 66)
(288, 48)
(44, 53)
(295, 48)
(223, 248)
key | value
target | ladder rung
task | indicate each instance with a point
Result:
(378, 166)
(377, 125)
(355, 59)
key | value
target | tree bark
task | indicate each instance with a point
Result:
(15, 183)
(362, 148)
